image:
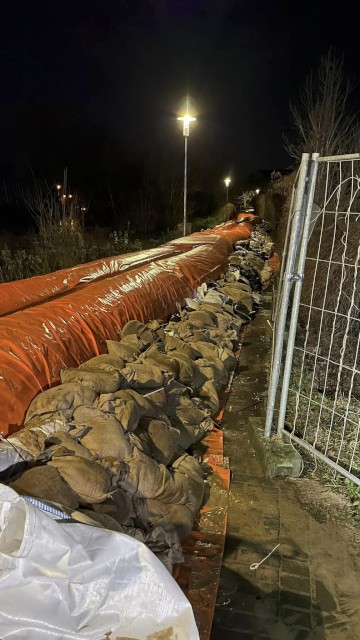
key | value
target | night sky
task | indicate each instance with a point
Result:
(94, 84)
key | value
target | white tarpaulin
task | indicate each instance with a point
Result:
(74, 581)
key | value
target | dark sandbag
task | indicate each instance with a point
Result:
(154, 513)
(45, 483)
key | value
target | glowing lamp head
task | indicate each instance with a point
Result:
(186, 119)
(58, 186)
(257, 191)
(227, 182)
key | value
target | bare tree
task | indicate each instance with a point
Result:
(322, 120)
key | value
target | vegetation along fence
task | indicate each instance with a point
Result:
(314, 390)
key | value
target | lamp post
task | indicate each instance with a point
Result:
(227, 184)
(186, 119)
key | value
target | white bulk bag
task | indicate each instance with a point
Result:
(70, 581)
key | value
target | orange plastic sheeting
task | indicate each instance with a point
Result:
(23, 293)
(203, 550)
(37, 342)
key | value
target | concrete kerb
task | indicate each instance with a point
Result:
(276, 457)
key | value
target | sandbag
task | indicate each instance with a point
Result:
(119, 506)
(209, 350)
(127, 352)
(209, 398)
(213, 369)
(159, 439)
(128, 407)
(144, 477)
(172, 343)
(30, 440)
(99, 380)
(189, 374)
(62, 399)
(154, 513)
(202, 319)
(237, 295)
(105, 437)
(141, 330)
(105, 362)
(89, 480)
(46, 483)
(165, 363)
(62, 444)
(141, 376)
(189, 470)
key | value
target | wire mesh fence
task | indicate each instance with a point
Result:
(320, 382)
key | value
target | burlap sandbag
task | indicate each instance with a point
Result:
(103, 362)
(157, 438)
(236, 293)
(172, 343)
(209, 398)
(62, 399)
(165, 363)
(48, 422)
(189, 374)
(89, 480)
(46, 483)
(127, 352)
(62, 444)
(141, 330)
(146, 478)
(30, 440)
(99, 380)
(189, 470)
(209, 350)
(154, 513)
(103, 519)
(141, 376)
(213, 369)
(217, 337)
(119, 506)
(105, 437)
(128, 406)
(202, 319)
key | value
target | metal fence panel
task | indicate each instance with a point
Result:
(320, 395)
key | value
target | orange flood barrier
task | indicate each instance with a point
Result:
(24, 293)
(37, 342)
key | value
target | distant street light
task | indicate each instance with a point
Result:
(186, 119)
(257, 191)
(58, 186)
(227, 184)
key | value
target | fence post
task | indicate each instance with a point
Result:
(286, 288)
(299, 277)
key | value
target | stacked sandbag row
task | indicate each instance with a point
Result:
(251, 256)
(112, 443)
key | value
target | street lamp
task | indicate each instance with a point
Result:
(186, 119)
(257, 191)
(227, 184)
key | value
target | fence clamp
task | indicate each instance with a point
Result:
(295, 277)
